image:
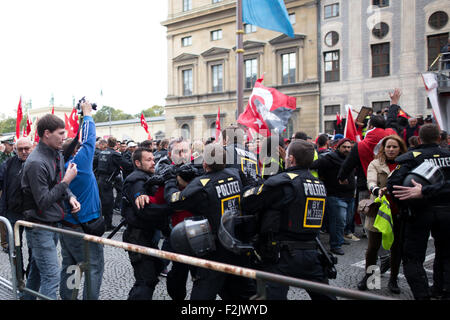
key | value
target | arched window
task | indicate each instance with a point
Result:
(438, 20)
(185, 131)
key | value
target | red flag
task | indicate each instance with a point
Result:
(267, 109)
(338, 119)
(403, 114)
(19, 118)
(53, 110)
(24, 132)
(144, 123)
(218, 125)
(350, 131)
(36, 136)
(72, 122)
(28, 125)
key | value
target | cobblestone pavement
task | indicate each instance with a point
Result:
(118, 275)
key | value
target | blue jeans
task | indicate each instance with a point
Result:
(337, 210)
(44, 269)
(73, 252)
(350, 223)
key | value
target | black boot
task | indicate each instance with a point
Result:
(362, 285)
(393, 286)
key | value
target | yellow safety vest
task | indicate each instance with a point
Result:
(314, 172)
(384, 223)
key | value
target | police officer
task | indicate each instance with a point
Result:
(108, 166)
(424, 217)
(240, 157)
(290, 207)
(143, 217)
(212, 195)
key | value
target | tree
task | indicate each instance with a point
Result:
(102, 115)
(154, 111)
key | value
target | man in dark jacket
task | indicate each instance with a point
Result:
(340, 200)
(46, 188)
(144, 217)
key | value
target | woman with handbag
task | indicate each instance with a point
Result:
(377, 174)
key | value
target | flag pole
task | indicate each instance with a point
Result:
(239, 58)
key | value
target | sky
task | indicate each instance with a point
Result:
(75, 48)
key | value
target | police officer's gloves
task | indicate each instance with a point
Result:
(154, 180)
(168, 173)
(187, 172)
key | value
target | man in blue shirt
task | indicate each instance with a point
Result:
(84, 186)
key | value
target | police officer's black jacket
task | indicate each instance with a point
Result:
(208, 195)
(290, 205)
(153, 216)
(108, 162)
(410, 160)
(127, 164)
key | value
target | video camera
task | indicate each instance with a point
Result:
(94, 106)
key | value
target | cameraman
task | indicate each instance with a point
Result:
(85, 188)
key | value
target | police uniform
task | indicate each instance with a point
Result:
(244, 160)
(141, 227)
(430, 214)
(290, 208)
(108, 166)
(211, 195)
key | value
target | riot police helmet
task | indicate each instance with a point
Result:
(426, 173)
(236, 231)
(192, 237)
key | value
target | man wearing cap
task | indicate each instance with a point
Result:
(127, 162)
(8, 152)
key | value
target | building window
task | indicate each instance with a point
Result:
(249, 28)
(380, 106)
(216, 1)
(251, 72)
(435, 44)
(187, 82)
(331, 38)
(212, 128)
(438, 20)
(329, 126)
(186, 41)
(217, 78)
(381, 3)
(380, 30)
(331, 60)
(185, 131)
(380, 60)
(216, 34)
(187, 5)
(289, 67)
(331, 10)
(292, 18)
(332, 109)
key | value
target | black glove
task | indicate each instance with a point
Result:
(168, 173)
(154, 180)
(187, 172)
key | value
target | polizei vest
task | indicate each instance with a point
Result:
(242, 159)
(301, 214)
(105, 166)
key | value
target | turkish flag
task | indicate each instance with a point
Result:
(28, 125)
(24, 132)
(73, 125)
(267, 110)
(218, 125)
(144, 123)
(53, 110)
(402, 113)
(19, 118)
(338, 119)
(350, 131)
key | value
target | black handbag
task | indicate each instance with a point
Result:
(95, 227)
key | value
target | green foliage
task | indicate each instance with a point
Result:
(102, 115)
(154, 111)
(9, 125)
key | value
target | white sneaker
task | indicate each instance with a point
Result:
(352, 237)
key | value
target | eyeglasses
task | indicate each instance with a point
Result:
(23, 149)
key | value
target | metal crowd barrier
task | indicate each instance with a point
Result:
(10, 284)
(260, 276)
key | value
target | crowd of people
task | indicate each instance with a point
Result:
(259, 204)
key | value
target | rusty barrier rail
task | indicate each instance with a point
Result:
(259, 276)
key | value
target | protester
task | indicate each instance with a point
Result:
(45, 185)
(85, 188)
(377, 174)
